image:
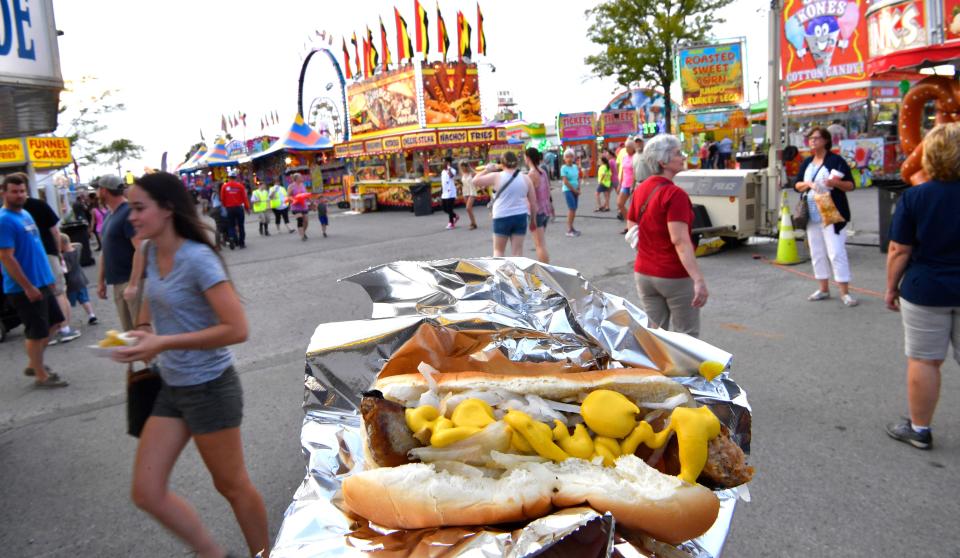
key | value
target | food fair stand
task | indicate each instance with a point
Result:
(578, 131)
(387, 167)
(404, 122)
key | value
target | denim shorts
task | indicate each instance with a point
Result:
(572, 200)
(208, 407)
(542, 220)
(514, 225)
(78, 297)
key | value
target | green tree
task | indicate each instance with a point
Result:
(118, 150)
(639, 38)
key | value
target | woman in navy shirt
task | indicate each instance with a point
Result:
(923, 279)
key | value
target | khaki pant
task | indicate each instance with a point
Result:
(667, 303)
(124, 307)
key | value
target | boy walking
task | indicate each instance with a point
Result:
(76, 280)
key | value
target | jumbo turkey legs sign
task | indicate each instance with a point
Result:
(824, 42)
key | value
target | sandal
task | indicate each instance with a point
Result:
(31, 372)
(818, 295)
(53, 381)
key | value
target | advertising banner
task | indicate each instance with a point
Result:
(951, 20)
(383, 103)
(865, 157)
(577, 125)
(824, 42)
(49, 152)
(618, 123)
(649, 105)
(711, 76)
(705, 122)
(451, 94)
(11, 152)
(896, 27)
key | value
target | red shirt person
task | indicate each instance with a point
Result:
(669, 283)
(233, 196)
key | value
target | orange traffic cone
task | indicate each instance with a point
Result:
(787, 243)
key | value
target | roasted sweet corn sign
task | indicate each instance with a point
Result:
(711, 76)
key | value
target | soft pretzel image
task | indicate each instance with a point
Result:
(946, 94)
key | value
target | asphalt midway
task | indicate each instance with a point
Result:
(823, 379)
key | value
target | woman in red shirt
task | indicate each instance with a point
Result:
(669, 283)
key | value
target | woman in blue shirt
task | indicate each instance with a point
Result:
(570, 176)
(923, 279)
(190, 316)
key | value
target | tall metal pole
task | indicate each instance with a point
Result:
(774, 107)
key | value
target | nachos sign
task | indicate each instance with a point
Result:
(823, 42)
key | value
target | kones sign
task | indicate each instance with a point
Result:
(30, 80)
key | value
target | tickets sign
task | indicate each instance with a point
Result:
(578, 125)
(11, 151)
(711, 76)
(824, 42)
(618, 123)
(49, 152)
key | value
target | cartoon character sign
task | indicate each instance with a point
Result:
(825, 33)
(865, 157)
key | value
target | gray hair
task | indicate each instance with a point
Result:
(656, 154)
(630, 143)
(569, 152)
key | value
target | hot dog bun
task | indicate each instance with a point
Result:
(421, 495)
(639, 384)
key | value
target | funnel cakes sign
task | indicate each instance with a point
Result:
(823, 42)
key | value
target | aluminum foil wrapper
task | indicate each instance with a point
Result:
(524, 311)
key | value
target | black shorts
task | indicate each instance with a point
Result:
(37, 317)
(207, 407)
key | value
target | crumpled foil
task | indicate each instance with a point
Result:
(536, 313)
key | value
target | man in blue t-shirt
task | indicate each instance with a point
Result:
(27, 278)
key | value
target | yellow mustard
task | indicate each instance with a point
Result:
(609, 413)
(520, 444)
(537, 434)
(608, 449)
(577, 444)
(694, 428)
(467, 419)
(473, 412)
(710, 369)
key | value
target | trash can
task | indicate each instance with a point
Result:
(422, 195)
(889, 192)
(752, 161)
(79, 231)
(369, 202)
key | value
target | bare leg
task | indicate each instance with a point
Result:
(35, 348)
(88, 308)
(844, 288)
(516, 245)
(222, 452)
(161, 442)
(923, 389)
(597, 205)
(499, 245)
(825, 285)
(540, 242)
(470, 200)
(571, 215)
(606, 200)
(622, 204)
(65, 308)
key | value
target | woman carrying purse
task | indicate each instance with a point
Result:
(826, 172)
(195, 315)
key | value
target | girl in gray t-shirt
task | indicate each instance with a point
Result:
(190, 315)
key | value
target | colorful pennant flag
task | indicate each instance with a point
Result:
(356, 53)
(443, 41)
(422, 29)
(223, 123)
(374, 54)
(481, 38)
(366, 58)
(463, 37)
(346, 58)
(404, 47)
(384, 46)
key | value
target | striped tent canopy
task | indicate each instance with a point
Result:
(190, 164)
(300, 137)
(217, 157)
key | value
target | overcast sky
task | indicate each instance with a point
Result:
(179, 65)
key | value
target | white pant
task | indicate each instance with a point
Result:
(828, 248)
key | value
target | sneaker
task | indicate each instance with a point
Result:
(904, 432)
(324, 234)
(92, 321)
(849, 300)
(62, 337)
(573, 233)
(818, 295)
(449, 226)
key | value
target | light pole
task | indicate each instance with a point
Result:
(757, 83)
